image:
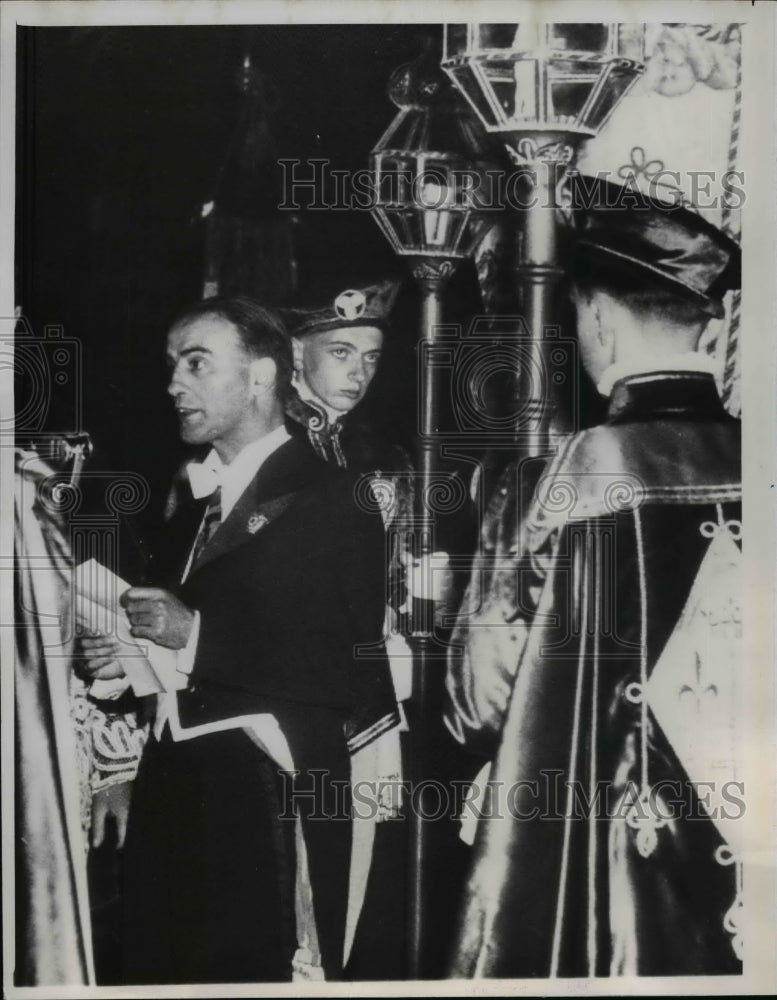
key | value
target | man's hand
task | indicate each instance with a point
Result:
(100, 657)
(158, 615)
(113, 801)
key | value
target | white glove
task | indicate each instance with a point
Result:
(429, 578)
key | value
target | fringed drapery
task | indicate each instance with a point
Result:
(53, 932)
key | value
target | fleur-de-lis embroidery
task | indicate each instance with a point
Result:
(698, 691)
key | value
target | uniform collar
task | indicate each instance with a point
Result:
(665, 393)
(307, 396)
(688, 361)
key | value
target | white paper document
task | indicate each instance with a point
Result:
(148, 667)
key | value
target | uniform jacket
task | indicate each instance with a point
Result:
(577, 673)
(351, 443)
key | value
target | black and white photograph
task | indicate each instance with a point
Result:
(388, 460)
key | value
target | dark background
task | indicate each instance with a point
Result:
(123, 134)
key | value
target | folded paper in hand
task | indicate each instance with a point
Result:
(149, 668)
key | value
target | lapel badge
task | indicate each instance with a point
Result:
(255, 522)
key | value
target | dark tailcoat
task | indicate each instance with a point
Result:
(379, 949)
(568, 619)
(288, 589)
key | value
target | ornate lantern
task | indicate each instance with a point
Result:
(543, 88)
(565, 78)
(425, 184)
(423, 169)
(425, 202)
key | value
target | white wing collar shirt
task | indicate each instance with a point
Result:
(204, 478)
(233, 479)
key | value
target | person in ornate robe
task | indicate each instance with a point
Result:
(238, 847)
(75, 755)
(596, 660)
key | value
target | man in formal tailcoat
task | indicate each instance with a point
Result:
(597, 658)
(274, 578)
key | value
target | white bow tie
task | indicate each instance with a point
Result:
(203, 479)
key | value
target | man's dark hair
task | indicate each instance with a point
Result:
(261, 331)
(645, 298)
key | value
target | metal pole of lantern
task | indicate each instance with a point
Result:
(420, 169)
(542, 89)
(431, 274)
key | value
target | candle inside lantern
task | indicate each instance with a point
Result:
(435, 199)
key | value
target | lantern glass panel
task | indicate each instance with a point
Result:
(415, 131)
(618, 82)
(407, 226)
(498, 36)
(407, 131)
(385, 226)
(393, 176)
(630, 42)
(459, 232)
(567, 99)
(434, 188)
(515, 86)
(580, 37)
(575, 66)
(530, 39)
(448, 232)
(455, 40)
(437, 229)
(467, 81)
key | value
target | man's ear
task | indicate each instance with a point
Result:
(297, 351)
(606, 322)
(599, 319)
(588, 316)
(263, 374)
